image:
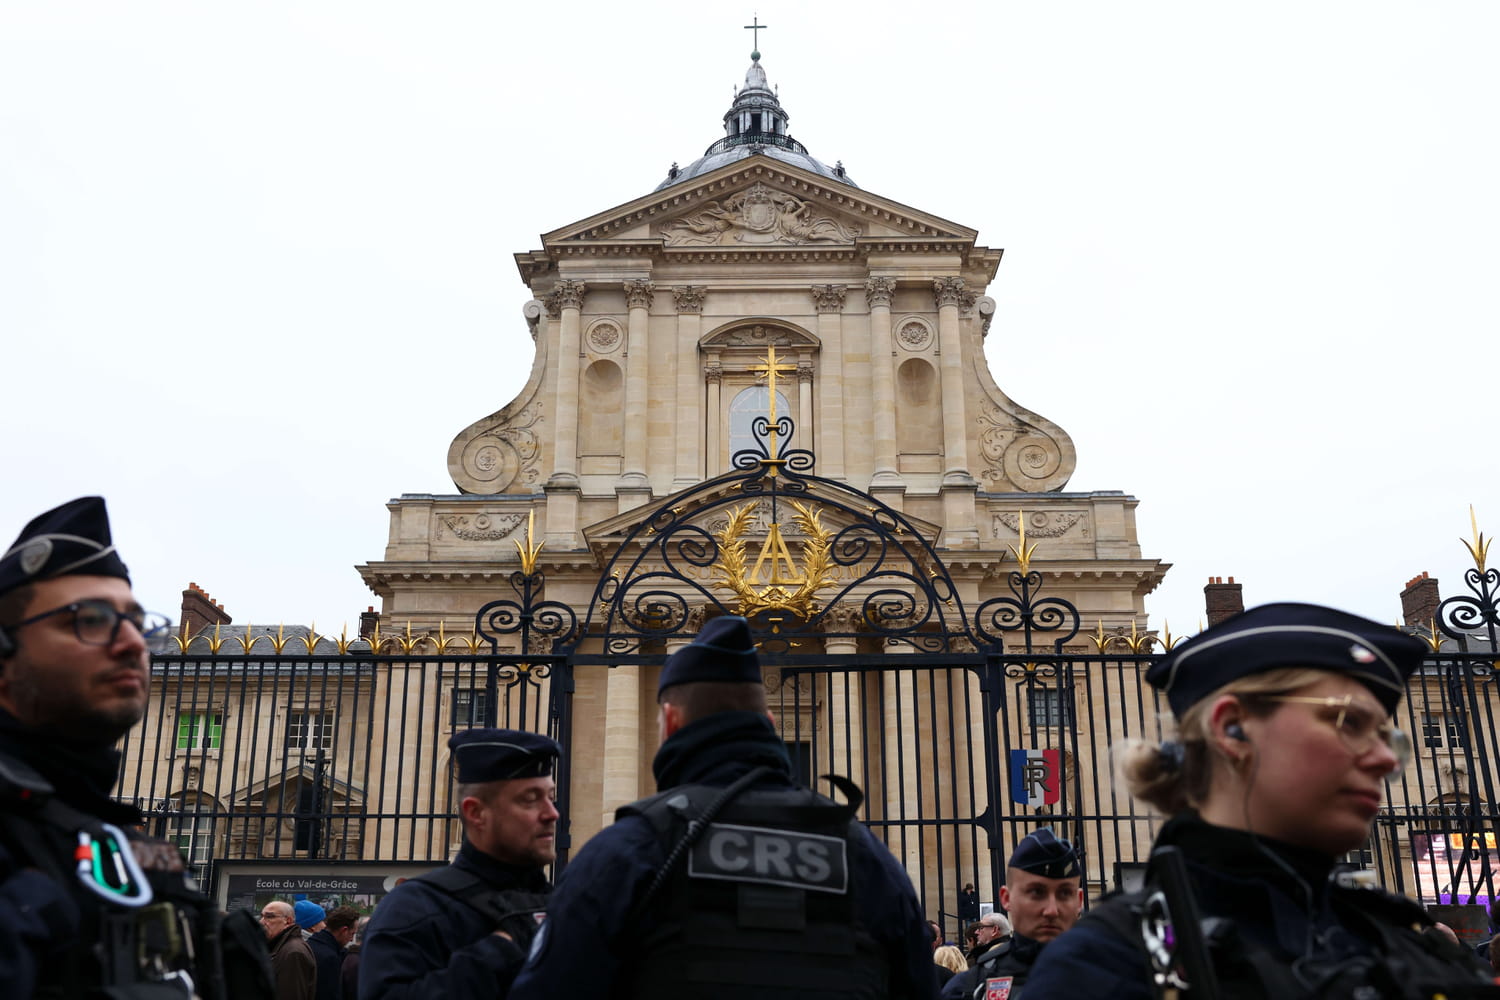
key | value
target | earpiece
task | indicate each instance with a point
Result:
(1236, 732)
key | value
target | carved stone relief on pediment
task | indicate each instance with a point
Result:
(484, 527)
(756, 216)
(1041, 524)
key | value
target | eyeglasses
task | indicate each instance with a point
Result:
(1359, 728)
(98, 623)
(272, 916)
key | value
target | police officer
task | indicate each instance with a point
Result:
(1284, 744)
(86, 904)
(733, 882)
(1044, 895)
(463, 931)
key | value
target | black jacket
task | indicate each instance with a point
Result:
(587, 947)
(423, 944)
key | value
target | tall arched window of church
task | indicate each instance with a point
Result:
(745, 407)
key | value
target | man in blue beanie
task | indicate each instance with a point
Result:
(733, 882)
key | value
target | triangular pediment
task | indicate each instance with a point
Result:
(759, 203)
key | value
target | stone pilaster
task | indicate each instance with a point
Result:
(878, 294)
(713, 382)
(634, 488)
(566, 303)
(805, 406)
(959, 489)
(829, 302)
(688, 466)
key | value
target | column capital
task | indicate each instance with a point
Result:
(879, 291)
(565, 295)
(951, 292)
(829, 298)
(805, 373)
(639, 293)
(688, 298)
(713, 373)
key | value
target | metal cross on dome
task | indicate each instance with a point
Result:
(756, 27)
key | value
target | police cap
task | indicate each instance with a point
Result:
(722, 651)
(482, 755)
(1273, 636)
(71, 539)
(1043, 853)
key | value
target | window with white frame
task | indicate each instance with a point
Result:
(200, 730)
(193, 833)
(745, 407)
(470, 707)
(308, 731)
(1440, 730)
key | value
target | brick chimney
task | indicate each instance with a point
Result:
(1419, 601)
(199, 611)
(1222, 600)
(367, 622)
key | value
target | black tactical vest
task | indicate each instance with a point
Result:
(174, 947)
(761, 905)
(1409, 959)
(516, 911)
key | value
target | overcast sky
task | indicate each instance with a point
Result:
(256, 273)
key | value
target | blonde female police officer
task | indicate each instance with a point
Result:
(1285, 741)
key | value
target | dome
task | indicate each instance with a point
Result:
(755, 125)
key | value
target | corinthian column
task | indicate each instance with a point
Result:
(829, 301)
(878, 293)
(949, 294)
(959, 490)
(633, 481)
(566, 303)
(688, 468)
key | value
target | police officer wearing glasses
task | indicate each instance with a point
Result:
(84, 905)
(733, 882)
(1284, 741)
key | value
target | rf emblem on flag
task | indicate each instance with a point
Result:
(1035, 777)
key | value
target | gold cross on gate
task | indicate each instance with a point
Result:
(769, 368)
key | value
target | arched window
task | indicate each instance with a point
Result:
(191, 818)
(746, 406)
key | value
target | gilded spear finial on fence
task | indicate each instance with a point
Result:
(1021, 550)
(1480, 547)
(529, 550)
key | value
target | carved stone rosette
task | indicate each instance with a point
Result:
(639, 293)
(879, 292)
(688, 298)
(829, 298)
(565, 295)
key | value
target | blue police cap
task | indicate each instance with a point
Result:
(501, 754)
(1043, 853)
(722, 651)
(1273, 636)
(71, 539)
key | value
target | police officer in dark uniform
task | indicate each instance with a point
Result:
(1044, 895)
(1284, 743)
(86, 903)
(463, 931)
(733, 882)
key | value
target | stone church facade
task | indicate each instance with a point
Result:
(651, 324)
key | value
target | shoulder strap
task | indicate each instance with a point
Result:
(483, 898)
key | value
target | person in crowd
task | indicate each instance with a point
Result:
(463, 931)
(950, 962)
(349, 973)
(310, 916)
(329, 944)
(991, 929)
(75, 674)
(734, 881)
(1284, 741)
(968, 904)
(292, 964)
(1043, 893)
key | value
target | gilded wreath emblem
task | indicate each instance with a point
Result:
(794, 590)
